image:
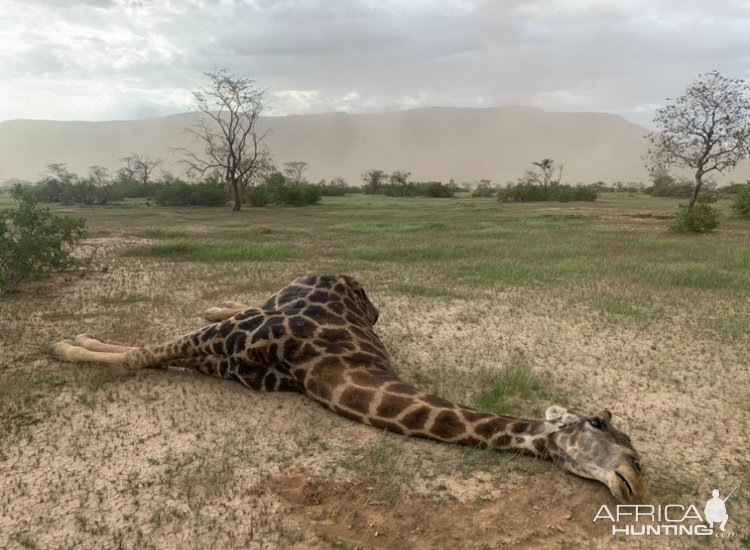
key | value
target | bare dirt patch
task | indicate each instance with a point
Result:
(363, 515)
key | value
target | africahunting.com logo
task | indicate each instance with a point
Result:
(637, 520)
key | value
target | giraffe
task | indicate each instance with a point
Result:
(315, 337)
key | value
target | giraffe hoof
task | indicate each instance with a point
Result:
(59, 349)
(80, 339)
(213, 314)
(232, 305)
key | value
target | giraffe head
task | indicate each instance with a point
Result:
(357, 301)
(593, 448)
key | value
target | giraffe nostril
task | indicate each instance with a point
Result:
(637, 466)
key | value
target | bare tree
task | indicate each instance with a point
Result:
(139, 168)
(234, 150)
(707, 129)
(294, 170)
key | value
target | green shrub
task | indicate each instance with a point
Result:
(180, 193)
(303, 195)
(584, 193)
(522, 192)
(698, 219)
(484, 189)
(732, 189)
(258, 196)
(665, 185)
(283, 193)
(708, 197)
(528, 192)
(337, 188)
(434, 189)
(33, 241)
(741, 204)
(437, 189)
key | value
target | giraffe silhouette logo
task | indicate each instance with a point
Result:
(716, 510)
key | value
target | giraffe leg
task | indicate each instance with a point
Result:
(228, 309)
(251, 374)
(86, 341)
(224, 338)
(67, 350)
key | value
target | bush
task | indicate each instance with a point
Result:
(523, 192)
(283, 194)
(33, 241)
(741, 204)
(665, 185)
(528, 192)
(584, 193)
(437, 189)
(732, 189)
(708, 197)
(258, 196)
(484, 189)
(698, 219)
(337, 188)
(304, 195)
(180, 193)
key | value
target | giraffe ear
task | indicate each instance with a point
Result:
(560, 415)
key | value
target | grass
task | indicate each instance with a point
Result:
(657, 321)
(160, 234)
(475, 241)
(515, 389)
(605, 255)
(219, 252)
(385, 228)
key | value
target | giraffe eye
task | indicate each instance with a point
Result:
(596, 423)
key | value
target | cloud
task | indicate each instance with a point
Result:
(109, 59)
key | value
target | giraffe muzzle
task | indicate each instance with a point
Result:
(627, 483)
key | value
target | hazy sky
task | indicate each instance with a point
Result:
(125, 59)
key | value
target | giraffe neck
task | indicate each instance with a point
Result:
(380, 399)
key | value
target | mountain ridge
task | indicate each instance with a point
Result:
(433, 143)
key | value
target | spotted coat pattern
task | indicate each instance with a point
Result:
(316, 337)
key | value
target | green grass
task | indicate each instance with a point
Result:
(219, 252)
(161, 234)
(605, 255)
(385, 228)
(512, 389)
(508, 272)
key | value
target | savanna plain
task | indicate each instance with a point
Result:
(505, 307)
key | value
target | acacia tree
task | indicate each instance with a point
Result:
(549, 176)
(234, 149)
(294, 171)
(707, 129)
